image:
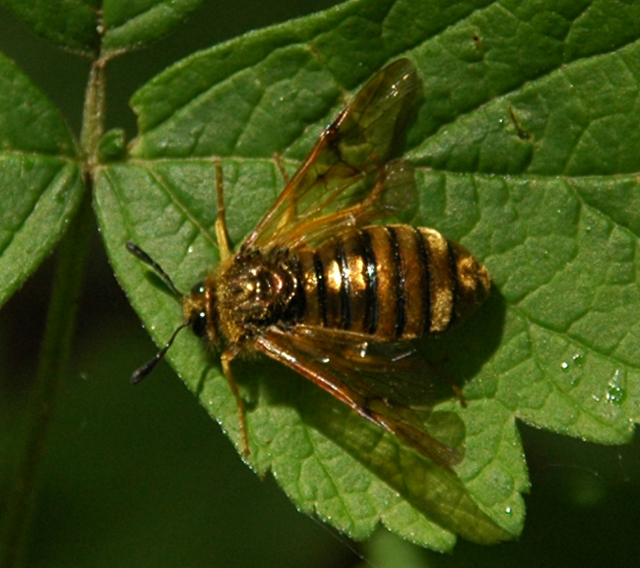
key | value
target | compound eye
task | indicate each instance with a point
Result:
(199, 324)
(198, 289)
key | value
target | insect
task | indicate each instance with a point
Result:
(320, 288)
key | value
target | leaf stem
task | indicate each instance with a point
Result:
(94, 113)
(60, 325)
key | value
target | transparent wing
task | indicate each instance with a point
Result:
(345, 177)
(379, 388)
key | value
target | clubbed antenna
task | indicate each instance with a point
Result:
(136, 251)
(143, 371)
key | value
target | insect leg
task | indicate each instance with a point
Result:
(226, 358)
(450, 382)
(222, 235)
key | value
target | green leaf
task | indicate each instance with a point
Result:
(526, 149)
(71, 24)
(318, 460)
(109, 27)
(41, 182)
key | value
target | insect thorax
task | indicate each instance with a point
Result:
(255, 290)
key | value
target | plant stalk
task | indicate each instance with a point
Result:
(60, 325)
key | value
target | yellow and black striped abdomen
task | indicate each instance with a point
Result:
(393, 282)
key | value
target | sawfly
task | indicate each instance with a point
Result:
(324, 287)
